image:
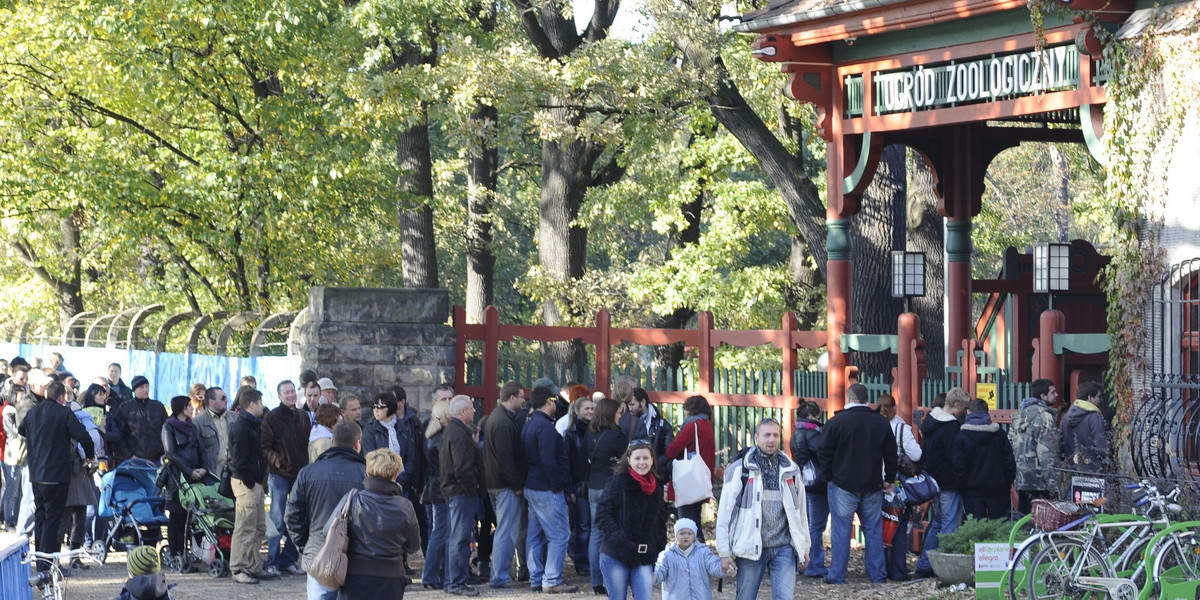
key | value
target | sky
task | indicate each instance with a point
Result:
(629, 24)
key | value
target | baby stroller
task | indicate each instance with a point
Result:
(129, 497)
(209, 531)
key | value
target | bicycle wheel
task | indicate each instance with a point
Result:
(1055, 571)
(1018, 570)
(1178, 559)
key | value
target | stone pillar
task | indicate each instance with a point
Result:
(369, 339)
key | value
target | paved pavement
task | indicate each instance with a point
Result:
(104, 583)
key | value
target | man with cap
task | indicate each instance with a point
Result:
(547, 478)
(135, 427)
(328, 391)
(49, 428)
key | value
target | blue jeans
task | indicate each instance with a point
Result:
(509, 506)
(11, 502)
(869, 506)
(25, 506)
(316, 591)
(948, 516)
(897, 555)
(818, 517)
(581, 533)
(619, 577)
(281, 550)
(464, 512)
(594, 541)
(435, 553)
(781, 561)
(549, 529)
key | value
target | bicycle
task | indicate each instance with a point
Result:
(51, 581)
(1086, 564)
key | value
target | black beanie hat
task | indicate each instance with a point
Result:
(138, 382)
(178, 403)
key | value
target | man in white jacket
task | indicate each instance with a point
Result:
(761, 519)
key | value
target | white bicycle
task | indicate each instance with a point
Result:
(50, 581)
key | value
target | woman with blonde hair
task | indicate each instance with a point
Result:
(434, 574)
(382, 529)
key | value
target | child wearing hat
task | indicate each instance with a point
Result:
(684, 567)
(146, 581)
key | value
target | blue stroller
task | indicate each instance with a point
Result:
(129, 496)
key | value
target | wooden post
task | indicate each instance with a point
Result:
(704, 323)
(491, 357)
(1050, 364)
(603, 350)
(970, 366)
(790, 356)
(908, 330)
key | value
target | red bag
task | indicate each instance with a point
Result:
(892, 511)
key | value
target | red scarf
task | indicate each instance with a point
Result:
(647, 482)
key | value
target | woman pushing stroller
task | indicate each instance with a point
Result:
(183, 454)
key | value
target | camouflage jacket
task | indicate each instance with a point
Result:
(1034, 439)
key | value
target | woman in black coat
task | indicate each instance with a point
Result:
(183, 454)
(582, 411)
(604, 445)
(632, 523)
(382, 528)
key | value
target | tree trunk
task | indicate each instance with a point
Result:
(671, 355)
(67, 285)
(926, 234)
(806, 285)
(418, 249)
(481, 188)
(877, 230)
(1062, 189)
(562, 245)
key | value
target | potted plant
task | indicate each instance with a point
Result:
(954, 560)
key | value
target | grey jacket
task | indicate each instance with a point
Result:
(318, 490)
(214, 438)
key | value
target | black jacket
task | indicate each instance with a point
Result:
(382, 529)
(119, 393)
(938, 454)
(629, 520)
(546, 455)
(433, 472)
(577, 455)
(983, 460)
(604, 450)
(182, 450)
(48, 429)
(285, 440)
(318, 489)
(853, 444)
(135, 429)
(503, 454)
(660, 433)
(806, 439)
(411, 436)
(245, 450)
(460, 461)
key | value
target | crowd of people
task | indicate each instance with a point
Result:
(560, 473)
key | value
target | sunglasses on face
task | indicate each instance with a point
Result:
(380, 407)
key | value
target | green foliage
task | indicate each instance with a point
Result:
(974, 531)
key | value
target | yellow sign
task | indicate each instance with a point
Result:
(986, 391)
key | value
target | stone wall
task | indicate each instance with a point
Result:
(369, 339)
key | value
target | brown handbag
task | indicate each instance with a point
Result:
(329, 565)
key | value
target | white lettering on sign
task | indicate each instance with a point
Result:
(980, 80)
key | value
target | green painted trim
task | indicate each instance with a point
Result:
(1091, 137)
(956, 32)
(864, 154)
(838, 243)
(1081, 343)
(865, 342)
(958, 241)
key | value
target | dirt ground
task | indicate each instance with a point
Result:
(104, 583)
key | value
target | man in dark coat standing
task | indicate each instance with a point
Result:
(461, 468)
(504, 468)
(48, 429)
(548, 477)
(249, 470)
(285, 445)
(1084, 437)
(318, 489)
(135, 427)
(983, 464)
(855, 441)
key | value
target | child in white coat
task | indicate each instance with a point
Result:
(684, 567)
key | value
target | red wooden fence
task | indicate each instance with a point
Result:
(603, 336)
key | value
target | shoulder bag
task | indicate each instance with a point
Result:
(329, 565)
(690, 478)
